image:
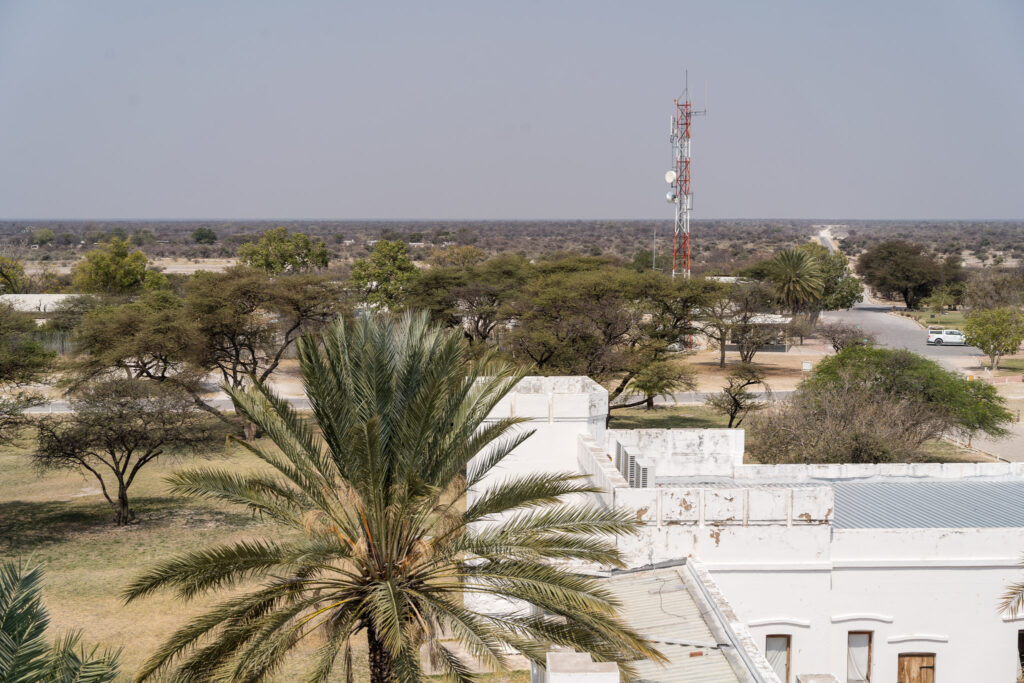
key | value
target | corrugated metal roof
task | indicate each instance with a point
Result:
(658, 605)
(928, 504)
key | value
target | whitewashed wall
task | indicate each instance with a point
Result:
(917, 590)
(786, 570)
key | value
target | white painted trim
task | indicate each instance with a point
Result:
(768, 566)
(929, 637)
(840, 618)
(780, 621)
(902, 563)
(1008, 619)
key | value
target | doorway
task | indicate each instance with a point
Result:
(916, 668)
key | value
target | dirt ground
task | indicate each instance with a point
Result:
(783, 370)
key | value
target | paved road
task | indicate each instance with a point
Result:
(902, 333)
(897, 332)
(692, 397)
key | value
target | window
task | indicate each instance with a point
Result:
(1020, 653)
(858, 657)
(776, 650)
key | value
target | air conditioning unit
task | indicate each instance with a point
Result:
(643, 474)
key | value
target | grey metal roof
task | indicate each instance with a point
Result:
(658, 605)
(928, 504)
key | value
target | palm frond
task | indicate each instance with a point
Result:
(400, 436)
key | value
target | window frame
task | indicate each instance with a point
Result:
(789, 650)
(871, 651)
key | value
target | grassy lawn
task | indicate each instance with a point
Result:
(954, 319)
(668, 417)
(1007, 366)
(938, 450)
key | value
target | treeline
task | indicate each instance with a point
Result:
(718, 246)
(992, 243)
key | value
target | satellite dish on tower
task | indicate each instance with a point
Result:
(670, 177)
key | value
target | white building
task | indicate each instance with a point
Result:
(884, 573)
(35, 303)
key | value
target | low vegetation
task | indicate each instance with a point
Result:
(870, 405)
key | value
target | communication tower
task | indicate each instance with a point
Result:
(679, 179)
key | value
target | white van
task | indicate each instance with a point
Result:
(941, 337)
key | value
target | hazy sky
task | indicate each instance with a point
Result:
(475, 110)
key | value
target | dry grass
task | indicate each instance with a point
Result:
(60, 520)
(668, 417)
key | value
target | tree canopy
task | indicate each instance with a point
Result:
(384, 279)
(896, 267)
(23, 359)
(969, 407)
(997, 332)
(113, 269)
(12, 276)
(204, 236)
(117, 427)
(279, 251)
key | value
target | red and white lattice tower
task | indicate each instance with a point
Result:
(679, 178)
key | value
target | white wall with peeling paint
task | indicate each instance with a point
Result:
(772, 548)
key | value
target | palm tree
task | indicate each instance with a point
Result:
(797, 277)
(388, 536)
(25, 654)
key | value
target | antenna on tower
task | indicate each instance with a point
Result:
(678, 179)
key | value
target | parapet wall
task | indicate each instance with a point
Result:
(951, 470)
(704, 505)
(682, 452)
(555, 399)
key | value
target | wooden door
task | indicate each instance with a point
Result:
(916, 668)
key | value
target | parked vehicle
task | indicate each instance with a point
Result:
(942, 337)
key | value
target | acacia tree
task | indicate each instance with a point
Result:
(385, 544)
(237, 324)
(660, 378)
(905, 269)
(716, 318)
(736, 400)
(843, 335)
(116, 428)
(750, 316)
(574, 321)
(246, 320)
(997, 332)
